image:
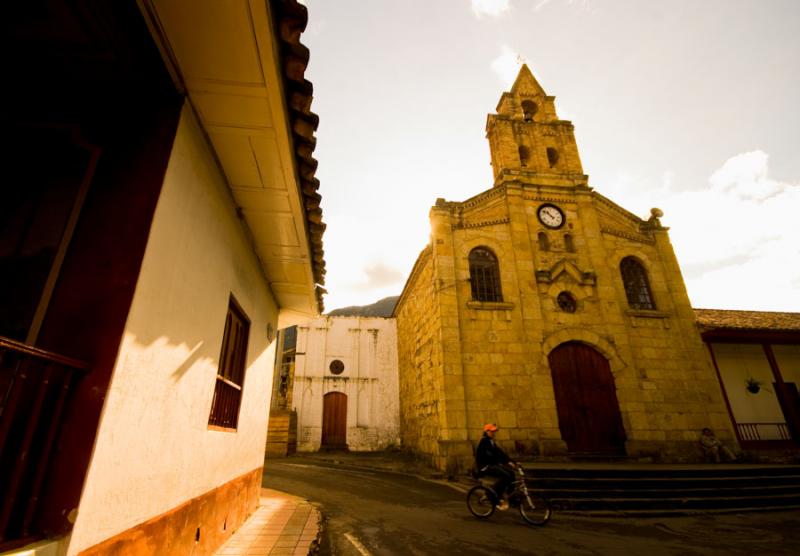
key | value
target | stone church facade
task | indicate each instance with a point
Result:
(550, 310)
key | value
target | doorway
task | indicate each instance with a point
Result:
(334, 421)
(586, 400)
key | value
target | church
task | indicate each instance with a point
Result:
(547, 308)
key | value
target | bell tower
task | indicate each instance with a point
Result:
(528, 143)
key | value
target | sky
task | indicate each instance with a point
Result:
(689, 106)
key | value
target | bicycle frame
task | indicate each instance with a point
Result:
(482, 500)
(519, 488)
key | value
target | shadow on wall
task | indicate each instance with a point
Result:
(193, 357)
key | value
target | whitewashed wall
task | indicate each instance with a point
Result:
(737, 363)
(154, 450)
(788, 358)
(368, 349)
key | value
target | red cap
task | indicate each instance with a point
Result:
(490, 427)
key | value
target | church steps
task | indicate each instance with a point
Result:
(645, 513)
(643, 490)
(723, 492)
(668, 484)
(630, 471)
(675, 504)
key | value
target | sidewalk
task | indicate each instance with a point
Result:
(282, 525)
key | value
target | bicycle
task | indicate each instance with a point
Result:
(533, 507)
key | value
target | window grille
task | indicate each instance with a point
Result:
(637, 287)
(484, 275)
(230, 375)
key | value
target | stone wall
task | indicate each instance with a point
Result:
(420, 360)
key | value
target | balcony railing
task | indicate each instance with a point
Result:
(34, 387)
(751, 432)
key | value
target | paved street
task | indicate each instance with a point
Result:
(382, 513)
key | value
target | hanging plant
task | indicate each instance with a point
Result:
(753, 385)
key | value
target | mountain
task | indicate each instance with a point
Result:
(382, 308)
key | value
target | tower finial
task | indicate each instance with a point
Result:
(526, 83)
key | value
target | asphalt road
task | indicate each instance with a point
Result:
(371, 512)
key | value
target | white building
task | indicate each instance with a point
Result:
(163, 224)
(345, 388)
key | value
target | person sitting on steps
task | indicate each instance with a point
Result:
(713, 447)
(491, 460)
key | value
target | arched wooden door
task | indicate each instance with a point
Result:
(586, 399)
(334, 421)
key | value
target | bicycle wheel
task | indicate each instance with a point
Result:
(535, 509)
(479, 502)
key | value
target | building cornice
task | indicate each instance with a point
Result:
(290, 19)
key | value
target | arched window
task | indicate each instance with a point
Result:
(552, 156)
(544, 243)
(524, 155)
(569, 246)
(637, 287)
(484, 275)
(529, 108)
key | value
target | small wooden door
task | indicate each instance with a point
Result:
(586, 400)
(334, 421)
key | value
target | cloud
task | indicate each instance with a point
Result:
(507, 65)
(492, 8)
(737, 241)
(585, 4)
(745, 177)
(381, 275)
(357, 278)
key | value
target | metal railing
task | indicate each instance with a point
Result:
(763, 431)
(34, 387)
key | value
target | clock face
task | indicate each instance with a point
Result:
(551, 216)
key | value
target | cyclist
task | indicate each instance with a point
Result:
(491, 460)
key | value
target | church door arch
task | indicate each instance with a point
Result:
(586, 400)
(334, 421)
